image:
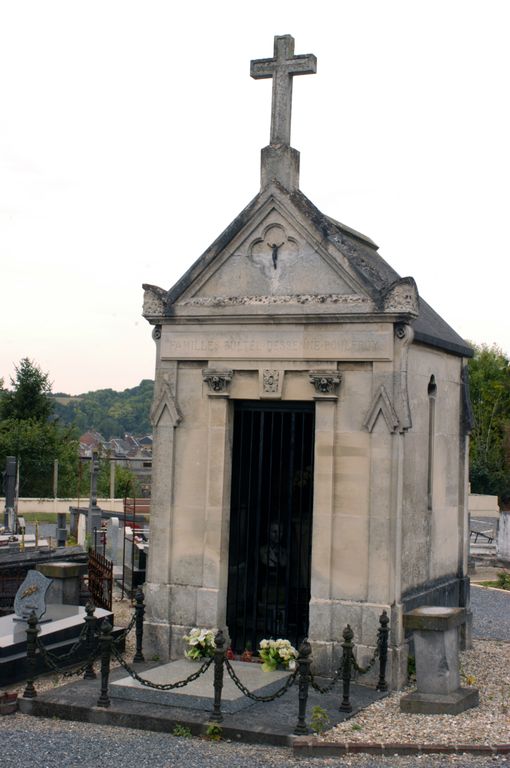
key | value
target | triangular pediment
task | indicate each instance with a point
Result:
(276, 257)
(282, 256)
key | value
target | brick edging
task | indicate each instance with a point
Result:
(311, 747)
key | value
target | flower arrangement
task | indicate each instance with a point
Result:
(277, 653)
(200, 643)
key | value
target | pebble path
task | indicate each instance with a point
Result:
(30, 742)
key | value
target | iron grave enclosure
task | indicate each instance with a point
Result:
(310, 429)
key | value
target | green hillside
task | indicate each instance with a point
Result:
(109, 412)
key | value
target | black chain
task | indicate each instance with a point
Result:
(81, 669)
(280, 692)
(329, 687)
(125, 632)
(161, 686)
(51, 659)
(364, 670)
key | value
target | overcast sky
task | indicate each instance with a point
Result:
(130, 137)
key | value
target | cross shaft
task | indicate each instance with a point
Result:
(282, 68)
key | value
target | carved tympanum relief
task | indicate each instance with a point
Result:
(272, 251)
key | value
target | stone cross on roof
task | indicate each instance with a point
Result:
(282, 68)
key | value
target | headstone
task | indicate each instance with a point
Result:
(82, 530)
(436, 647)
(61, 529)
(9, 488)
(73, 522)
(503, 543)
(113, 540)
(31, 596)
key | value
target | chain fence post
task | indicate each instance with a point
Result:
(382, 641)
(347, 646)
(304, 662)
(32, 632)
(105, 642)
(90, 621)
(219, 658)
(140, 613)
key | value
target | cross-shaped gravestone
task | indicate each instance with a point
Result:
(282, 68)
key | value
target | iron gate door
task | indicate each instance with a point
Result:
(270, 522)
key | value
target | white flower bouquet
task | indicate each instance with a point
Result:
(200, 643)
(277, 654)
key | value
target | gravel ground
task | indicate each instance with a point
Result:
(488, 666)
(491, 613)
(28, 741)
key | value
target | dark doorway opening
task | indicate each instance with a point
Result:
(270, 522)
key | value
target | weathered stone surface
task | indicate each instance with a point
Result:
(439, 704)
(199, 694)
(285, 301)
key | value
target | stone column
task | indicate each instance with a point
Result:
(503, 543)
(165, 418)
(212, 596)
(322, 537)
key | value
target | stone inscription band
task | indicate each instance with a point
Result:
(284, 343)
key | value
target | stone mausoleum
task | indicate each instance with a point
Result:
(310, 425)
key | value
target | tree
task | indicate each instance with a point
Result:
(489, 382)
(36, 445)
(28, 432)
(126, 483)
(30, 396)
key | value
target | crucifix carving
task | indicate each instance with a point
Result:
(274, 251)
(282, 68)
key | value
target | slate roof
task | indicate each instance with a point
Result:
(374, 273)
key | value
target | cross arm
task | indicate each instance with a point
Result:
(304, 64)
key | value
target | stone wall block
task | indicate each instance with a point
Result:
(320, 619)
(207, 608)
(343, 614)
(322, 655)
(156, 641)
(183, 605)
(177, 644)
(157, 601)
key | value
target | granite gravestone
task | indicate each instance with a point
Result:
(31, 596)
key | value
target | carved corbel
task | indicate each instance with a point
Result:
(325, 382)
(153, 301)
(218, 380)
(402, 297)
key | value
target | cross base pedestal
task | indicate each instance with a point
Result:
(439, 703)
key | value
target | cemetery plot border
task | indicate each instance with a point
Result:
(96, 644)
(302, 674)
